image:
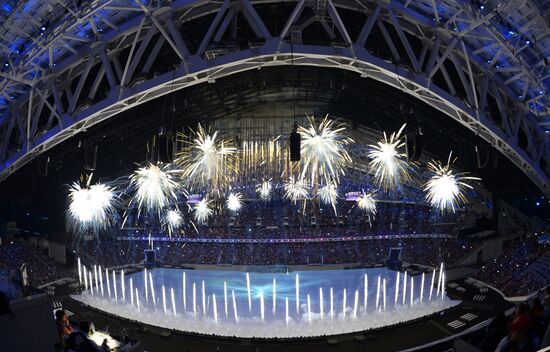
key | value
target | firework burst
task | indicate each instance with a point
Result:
(328, 195)
(173, 220)
(202, 211)
(367, 203)
(296, 189)
(264, 189)
(445, 189)
(388, 163)
(323, 151)
(234, 201)
(155, 188)
(91, 208)
(207, 161)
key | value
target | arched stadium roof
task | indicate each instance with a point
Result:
(67, 65)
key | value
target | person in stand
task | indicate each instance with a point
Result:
(495, 332)
(105, 346)
(521, 337)
(63, 326)
(79, 341)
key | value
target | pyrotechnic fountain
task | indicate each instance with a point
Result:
(225, 299)
(251, 290)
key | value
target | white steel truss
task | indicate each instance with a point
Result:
(107, 57)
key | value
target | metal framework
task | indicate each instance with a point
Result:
(68, 67)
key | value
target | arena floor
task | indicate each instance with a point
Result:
(479, 304)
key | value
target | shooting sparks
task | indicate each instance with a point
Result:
(234, 201)
(389, 164)
(202, 210)
(328, 195)
(207, 161)
(155, 188)
(173, 220)
(91, 208)
(296, 189)
(264, 189)
(445, 190)
(323, 150)
(367, 203)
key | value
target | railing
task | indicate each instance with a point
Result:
(284, 240)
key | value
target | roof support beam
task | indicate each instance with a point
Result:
(254, 20)
(367, 27)
(54, 64)
(208, 36)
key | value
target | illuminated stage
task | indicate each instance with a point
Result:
(284, 305)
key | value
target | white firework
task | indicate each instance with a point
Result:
(91, 208)
(367, 203)
(264, 189)
(234, 201)
(296, 189)
(328, 195)
(155, 188)
(207, 160)
(323, 151)
(202, 211)
(445, 189)
(173, 220)
(388, 162)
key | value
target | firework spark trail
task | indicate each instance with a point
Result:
(91, 208)
(323, 151)
(234, 201)
(202, 210)
(155, 188)
(296, 189)
(367, 203)
(173, 220)
(264, 189)
(328, 195)
(445, 189)
(207, 161)
(388, 163)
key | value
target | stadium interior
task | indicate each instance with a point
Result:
(241, 175)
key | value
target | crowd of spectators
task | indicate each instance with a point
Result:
(426, 251)
(261, 220)
(510, 272)
(40, 268)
